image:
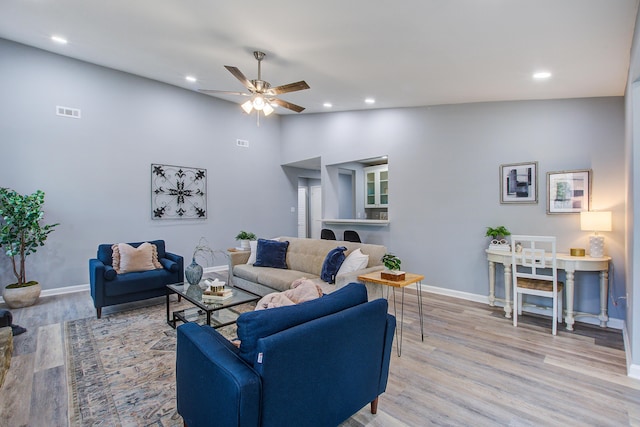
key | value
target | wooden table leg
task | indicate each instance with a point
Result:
(492, 283)
(604, 302)
(507, 291)
(570, 286)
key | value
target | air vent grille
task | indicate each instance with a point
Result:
(68, 112)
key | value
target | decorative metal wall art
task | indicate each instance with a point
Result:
(178, 192)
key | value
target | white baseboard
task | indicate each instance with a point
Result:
(613, 323)
(86, 287)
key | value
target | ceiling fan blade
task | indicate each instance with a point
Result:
(226, 92)
(291, 87)
(238, 75)
(285, 104)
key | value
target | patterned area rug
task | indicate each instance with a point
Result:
(121, 368)
(121, 371)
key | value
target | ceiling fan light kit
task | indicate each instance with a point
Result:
(263, 96)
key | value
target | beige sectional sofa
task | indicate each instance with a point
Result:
(304, 259)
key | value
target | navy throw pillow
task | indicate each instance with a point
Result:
(332, 264)
(271, 253)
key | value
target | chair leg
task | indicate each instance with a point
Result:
(374, 406)
(99, 312)
(516, 308)
(560, 307)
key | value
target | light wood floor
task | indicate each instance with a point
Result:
(473, 369)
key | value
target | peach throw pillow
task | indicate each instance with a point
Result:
(127, 259)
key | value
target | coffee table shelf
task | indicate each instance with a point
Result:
(216, 314)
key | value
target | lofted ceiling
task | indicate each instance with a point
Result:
(402, 53)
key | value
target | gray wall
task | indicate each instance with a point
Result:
(443, 162)
(632, 146)
(444, 185)
(96, 170)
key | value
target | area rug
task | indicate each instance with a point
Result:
(121, 368)
(121, 371)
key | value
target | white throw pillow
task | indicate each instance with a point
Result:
(355, 261)
(254, 249)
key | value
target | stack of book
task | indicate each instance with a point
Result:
(217, 295)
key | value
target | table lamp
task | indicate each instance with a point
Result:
(595, 221)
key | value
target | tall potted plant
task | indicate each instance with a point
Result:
(21, 233)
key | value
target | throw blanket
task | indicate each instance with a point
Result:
(301, 290)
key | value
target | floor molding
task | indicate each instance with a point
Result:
(86, 286)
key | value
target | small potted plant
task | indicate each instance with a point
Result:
(245, 237)
(21, 233)
(498, 235)
(392, 264)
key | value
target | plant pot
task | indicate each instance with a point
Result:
(21, 297)
(393, 275)
(244, 245)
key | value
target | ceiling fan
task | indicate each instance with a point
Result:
(261, 93)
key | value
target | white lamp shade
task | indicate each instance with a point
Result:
(247, 106)
(595, 221)
(258, 102)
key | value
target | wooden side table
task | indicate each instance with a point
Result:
(409, 279)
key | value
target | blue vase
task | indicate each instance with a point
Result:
(193, 272)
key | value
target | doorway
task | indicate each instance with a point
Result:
(315, 211)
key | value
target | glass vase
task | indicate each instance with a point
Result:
(193, 272)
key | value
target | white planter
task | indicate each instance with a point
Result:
(244, 245)
(21, 297)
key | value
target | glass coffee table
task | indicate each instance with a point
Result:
(217, 314)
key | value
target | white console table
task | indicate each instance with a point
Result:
(570, 264)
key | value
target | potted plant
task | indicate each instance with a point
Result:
(21, 233)
(498, 235)
(245, 237)
(392, 264)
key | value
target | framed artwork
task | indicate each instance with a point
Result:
(519, 183)
(568, 191)
(178, 192)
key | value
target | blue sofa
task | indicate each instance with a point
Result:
(109, 288)
(312, 364)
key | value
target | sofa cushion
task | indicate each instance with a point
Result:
(275, 278)
(109, 273)
(332, 264)
(258, 324)
(271, 253)
(169, 265)
(105, 253)
(136, 282)
(355, 261)
(128, 259)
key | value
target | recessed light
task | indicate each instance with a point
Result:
(59, 39)
(370, 101)
(327, 105)
(541, 75)
(191, 79)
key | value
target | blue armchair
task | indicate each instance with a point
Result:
(312, 364)
(109, 288)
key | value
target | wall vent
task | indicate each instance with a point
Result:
(68, 112)
(242, 143)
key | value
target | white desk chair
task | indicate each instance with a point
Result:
(535, 273)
